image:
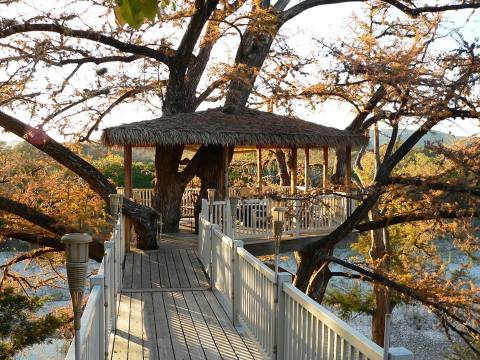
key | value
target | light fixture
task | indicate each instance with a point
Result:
(116, 203)
(76, 260)
(233, 212)
(278, 219)
(211, 196)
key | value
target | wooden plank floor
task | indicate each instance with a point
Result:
(167, 311)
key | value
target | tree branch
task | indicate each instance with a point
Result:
(308, 4)
(428, 184)
(433, 303)
(164, 55)
(405, 218)
(123, 97)
(38, 138)
(45, 222)
(203, 96)
(414, 11)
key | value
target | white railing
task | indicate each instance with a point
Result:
(187, 205)
(319, 334)
(99, 314)
(222, 264)
(143, 196)
(321, 213)
(284, 322)
(252, 216)
(257, 289)
(189, 198)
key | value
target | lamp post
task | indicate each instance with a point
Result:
(211, 198)
(116, 203)
(278, 219)
(76, 259)
(233, 212)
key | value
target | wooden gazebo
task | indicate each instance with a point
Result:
(245, 129)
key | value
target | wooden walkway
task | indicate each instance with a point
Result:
(167, 311)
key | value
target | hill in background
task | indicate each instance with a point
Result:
(430, 137)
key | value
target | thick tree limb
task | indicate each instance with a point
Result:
(33, 215)
(45, 222)
(428, 184)
(96, 60)
(308, 4)
(36, 239)
(405, 218)
(143, 218)
(433, 303)
(60, 153)
(164, 55)
(415, 11)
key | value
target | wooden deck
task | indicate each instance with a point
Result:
(167, 310)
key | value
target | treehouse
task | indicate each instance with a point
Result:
(217, 133)
(209, 296)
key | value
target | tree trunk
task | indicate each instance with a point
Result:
(282, 167)
(338, 175)
(382, 307)
(211, 176)
(378, 253)
(168, 186)
(313, 275)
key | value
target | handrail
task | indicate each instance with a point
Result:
(99, 314)
(282, 320)
(256, 264)
(350, 337)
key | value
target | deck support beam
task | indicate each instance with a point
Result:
(127, 192)
(293, 172)
(259, 170)
(325, 167)
(307, 168)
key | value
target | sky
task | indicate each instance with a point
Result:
(329, 21)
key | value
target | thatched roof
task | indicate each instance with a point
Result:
(221, 127)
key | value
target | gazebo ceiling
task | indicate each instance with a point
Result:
(244, 128)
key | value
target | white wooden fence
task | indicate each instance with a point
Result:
(187, 205)
(284, 322)
(99, 315)
(252, 216)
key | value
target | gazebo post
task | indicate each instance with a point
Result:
(325, 167)
(226, 164)
(128, 186)
(293, 173)
(259, 169)
(307, 168)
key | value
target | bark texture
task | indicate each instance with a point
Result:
(168, 186)
(45, 222)
(143, 218)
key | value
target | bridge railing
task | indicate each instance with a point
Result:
(99, 314)
(285, 323)
(252, 216)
